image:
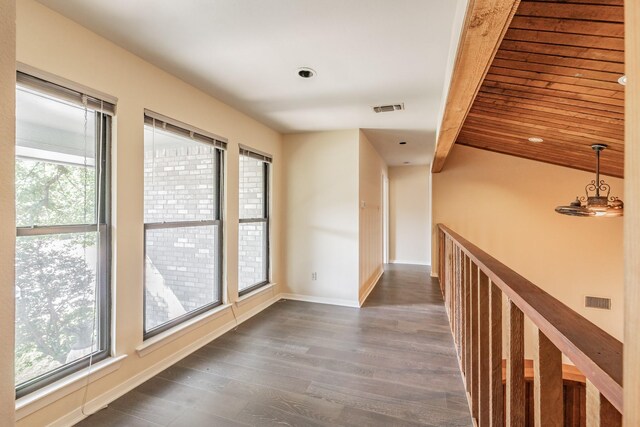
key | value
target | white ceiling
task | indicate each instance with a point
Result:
(247, 52)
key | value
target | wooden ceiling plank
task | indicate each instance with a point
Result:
(521, 135)
(607, 117)
(569, 88)
(595, 102)
(602, 109)
(556, 69)
(553, 161)
(550, 120)
(607, 29)
(593, 2)
(552, 148)
(586, 12)
(526, 130)
(582, 64)
(590, 53)
(486, 22)
(559, 149)
(566, 39)
(555, 78)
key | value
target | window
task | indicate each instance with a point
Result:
(253, 230)
(62, 234)
(183, 224)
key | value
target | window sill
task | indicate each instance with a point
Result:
(164, 338)
(32, 402)
(244, 298)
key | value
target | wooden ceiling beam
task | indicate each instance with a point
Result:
(486, 22)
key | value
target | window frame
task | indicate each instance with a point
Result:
(265, 219)
(102, 227)
(219, 145)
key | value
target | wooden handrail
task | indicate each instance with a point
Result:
(594, 352)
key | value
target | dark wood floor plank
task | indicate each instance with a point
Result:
(390, 363)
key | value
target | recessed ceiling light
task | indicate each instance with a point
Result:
(403, 143)
(623, 80)
(306, 73)
(535, 139)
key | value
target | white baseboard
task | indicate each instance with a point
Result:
(321, 300)
(399, 261)
(104, 399)
(372, 285)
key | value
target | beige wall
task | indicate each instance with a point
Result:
(505, 205)
(409, 215)
(322, 215)
(52, 43)
(372, 171)
(7, 206)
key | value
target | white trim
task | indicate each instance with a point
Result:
(38, 399)
(244, 298)
(61, 81)
(400, 261)
(321, 300)
(372, 285)
(104, 399)
(164, 338)
(258, 152)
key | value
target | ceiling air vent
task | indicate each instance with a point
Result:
(388, 108)
(597, 302)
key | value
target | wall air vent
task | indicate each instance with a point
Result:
(597, 302)
(388, 108)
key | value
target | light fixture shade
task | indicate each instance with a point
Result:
(593, 203)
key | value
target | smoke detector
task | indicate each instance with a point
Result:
(388, 108)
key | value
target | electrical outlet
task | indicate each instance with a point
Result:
(314, 276)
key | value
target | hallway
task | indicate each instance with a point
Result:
(390, 363)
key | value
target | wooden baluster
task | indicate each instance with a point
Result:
(447, 249)
(474, 341)
(515, 366)
(459, 301)
(450, 274)
(463, 315)
(441, 273)
(600, 412)
(453, 290)
(459, 304)
(454, 315)
(547, 383)
(468, 323)
(495, 356)
(484, 362)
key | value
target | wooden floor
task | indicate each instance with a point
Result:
(390, 363)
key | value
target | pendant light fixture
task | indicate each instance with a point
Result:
(594, 203)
